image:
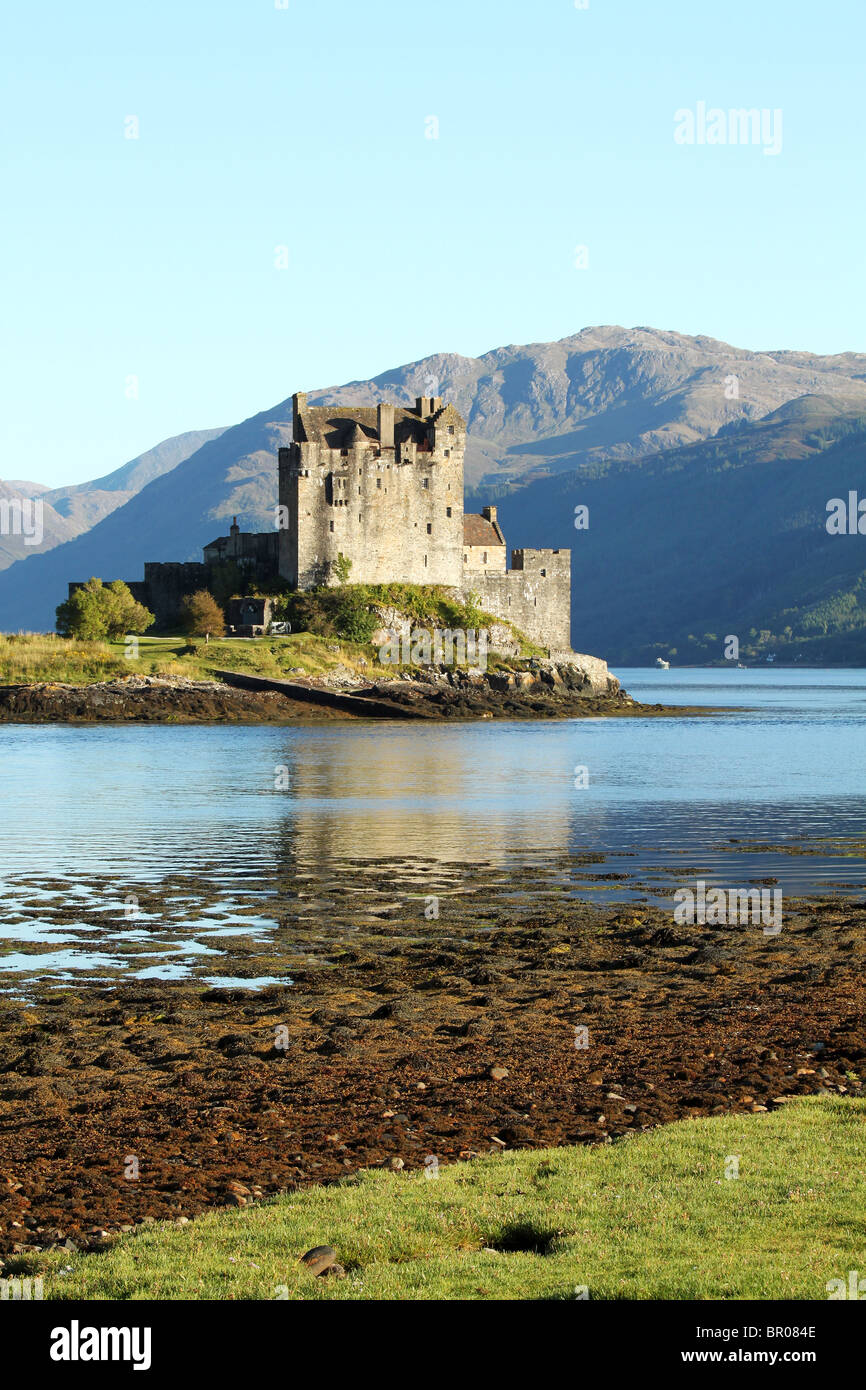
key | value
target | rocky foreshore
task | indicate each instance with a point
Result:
(150, 700)
(518, 1017)
(541, 689)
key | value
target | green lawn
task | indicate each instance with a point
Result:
(653, 1217)
(30, 658)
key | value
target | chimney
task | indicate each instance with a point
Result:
(299, 403)
(422, 406)
(489, 514)
(385, 425)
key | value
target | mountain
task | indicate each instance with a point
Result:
(22, 524)
(608, 408)
(605, 393)
(69, 511)
(726, 537)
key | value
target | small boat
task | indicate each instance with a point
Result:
(663, 665)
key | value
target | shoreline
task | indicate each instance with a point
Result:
(387, 1038)
(154, 699)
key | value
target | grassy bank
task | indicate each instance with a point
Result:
(652, 1217)
(331, 628)
(31, 658)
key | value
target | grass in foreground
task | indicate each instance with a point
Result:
(651, 1218)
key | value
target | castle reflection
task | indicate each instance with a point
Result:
(390, 794)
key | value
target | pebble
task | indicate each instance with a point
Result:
(497, 1073)
(322, 1260)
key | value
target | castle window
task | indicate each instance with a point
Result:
(544, 574)
(447, 511)
(359, 516)
(332, 525)
(450, 429)
(448, 453)
(425, 561)
(378, 482)
(429, 529)
(426, 482)
(483, 557)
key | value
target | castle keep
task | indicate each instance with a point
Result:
(382, 487)
(374, 495)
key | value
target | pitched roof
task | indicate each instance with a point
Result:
(477, 530)
(333, 425)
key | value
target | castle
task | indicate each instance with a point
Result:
(374, 495)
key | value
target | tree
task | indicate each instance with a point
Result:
(97, 610)
(342, 568)
(201, 615)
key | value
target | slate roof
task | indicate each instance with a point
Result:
(333, 425)
(477, 530)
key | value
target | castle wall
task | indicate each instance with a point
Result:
(167, 585)
(163, 589)
(257, 551)
(486, 558)
(397, 521)
(534, 595)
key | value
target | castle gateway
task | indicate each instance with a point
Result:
(374, 495)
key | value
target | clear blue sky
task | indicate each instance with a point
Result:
(305, 127)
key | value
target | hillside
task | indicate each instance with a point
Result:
(605, 393)
(724, 537)
(69, 511)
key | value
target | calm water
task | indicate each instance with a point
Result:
(784, 763)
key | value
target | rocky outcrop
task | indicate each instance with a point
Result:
(574, 687)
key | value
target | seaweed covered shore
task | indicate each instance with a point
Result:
(549, 691)
(512, 1015)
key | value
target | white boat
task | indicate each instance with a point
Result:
(663, 665)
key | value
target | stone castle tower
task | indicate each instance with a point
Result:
(380, 486)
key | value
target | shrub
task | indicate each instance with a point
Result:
(97, 610)
(201, 615)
